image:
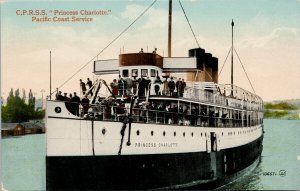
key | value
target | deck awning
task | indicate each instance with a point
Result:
(179, 64)
(106, 66)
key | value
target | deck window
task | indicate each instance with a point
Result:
(125, 73)
(144, 72)
(153, 73)
(134, 72)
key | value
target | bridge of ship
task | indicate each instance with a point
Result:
(152, 65)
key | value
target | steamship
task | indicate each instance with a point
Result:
(150, 137)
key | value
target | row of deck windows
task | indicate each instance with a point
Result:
(135, 73)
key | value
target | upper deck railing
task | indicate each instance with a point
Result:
(195, 117)
(224, 95)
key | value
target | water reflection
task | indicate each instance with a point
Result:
(250, 181)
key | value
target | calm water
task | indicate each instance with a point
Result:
(23, 161)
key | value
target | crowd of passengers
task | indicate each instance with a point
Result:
(168, 113)
(73, 101)
(128, 86)
(152, 112)
(122, 87)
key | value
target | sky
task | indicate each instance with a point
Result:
(266, 38)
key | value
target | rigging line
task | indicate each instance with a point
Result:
(108, 44)
(189, 24)
(209, 75)
(224, 62)
(244, 69)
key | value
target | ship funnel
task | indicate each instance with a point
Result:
(207, 66)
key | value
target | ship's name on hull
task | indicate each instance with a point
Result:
(153, 144)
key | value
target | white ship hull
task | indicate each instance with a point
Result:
(186, 155)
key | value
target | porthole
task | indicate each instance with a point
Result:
(192, 134)
(164, 133)
(222, 133)
(57, 109)
(138, 132)
(201, 134)
(152, 133)
(174, 133)
(205, 134)
(103, 131)
(183, 134)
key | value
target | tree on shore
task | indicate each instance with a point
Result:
(16, 110)
(280, 106)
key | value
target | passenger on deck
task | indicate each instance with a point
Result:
(180, 88)
(75, 101)
(147, 85)
(171, 86)
(194, 114)
(121, 86)
(114, 87)
(134, 85)
(66, 98)
(85, 104)
(177, 84)
(141, 51)
(136, 112)
(180, 85)
(67, 101)
(203, 117)
(180, 113)
(59, 96)
(160, 113)
(154, 51)
(128, 85)
(186, 114)
(167, 114)
(166, 88)
(109, 108)
(212, 118)
(90, 84)
(142, 86)
(174, 114)
(157, 84)
(120, 110)
(82, 85)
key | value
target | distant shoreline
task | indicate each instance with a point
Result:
(281, 110)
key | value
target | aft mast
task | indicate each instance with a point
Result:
(232, 24)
